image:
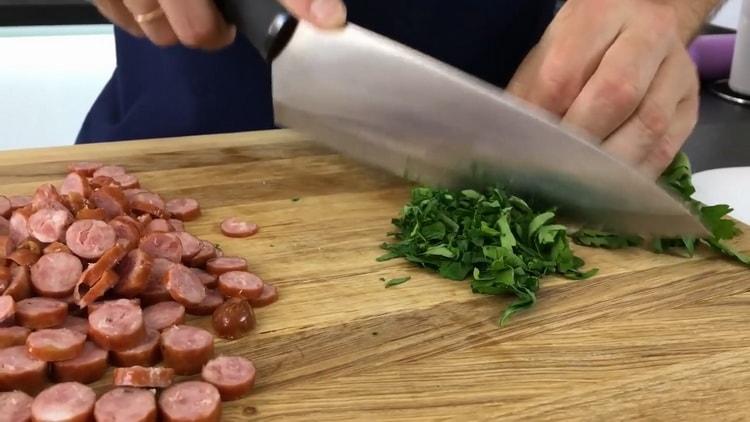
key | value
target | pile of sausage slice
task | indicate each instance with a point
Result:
(100, 272)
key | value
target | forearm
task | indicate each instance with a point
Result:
(691, 15)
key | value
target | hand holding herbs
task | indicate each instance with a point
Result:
(505, 246)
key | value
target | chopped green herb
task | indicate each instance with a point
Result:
(396, 281)
(600, 239)
(499, 241)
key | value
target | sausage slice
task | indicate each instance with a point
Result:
(240, 284)
(89, 239)
(85, 168)
(190, 401)
(185, 209)
(53, 345)
(234, 227)
(19, 225)
(162, 245)
(163, 315)
(21, 371)
(117, 325)
(191, 245)
(56, 274)
(15, 406)
(233, 319)
(38, 313)
(184, 286)
(68, 401)
(186, 349)
(127, 230)
(77, 183)
(233, 376)
(48, 225)
(55, 248)
(141, 377)
(86, 368)
(209, 280)
(213, 300)
(19, 201)
(20, 286)
(225, 264)
(7, 310)
(149, 203)
(78, 324)
(208, 251)
(5, 206)
(146, 353)
(158, 225)
(13, 336)
(111, 200)
(268, 296)
(134, 272)
(126, 404)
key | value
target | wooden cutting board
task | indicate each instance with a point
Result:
(652, 337)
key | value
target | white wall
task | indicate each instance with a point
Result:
(49, 77)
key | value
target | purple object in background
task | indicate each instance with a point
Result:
(713, 55)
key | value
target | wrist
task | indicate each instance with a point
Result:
(691, 15)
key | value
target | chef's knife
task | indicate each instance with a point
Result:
(387, 105)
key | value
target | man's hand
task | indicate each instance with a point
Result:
(619, 69)
(198, 23)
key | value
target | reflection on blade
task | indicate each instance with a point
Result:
(384, 104)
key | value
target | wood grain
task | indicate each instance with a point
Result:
(653, 337)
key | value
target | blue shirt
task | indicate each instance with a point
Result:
(156, 92)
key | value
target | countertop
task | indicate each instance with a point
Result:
(652, 337)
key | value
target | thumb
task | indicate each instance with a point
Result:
(321, 13)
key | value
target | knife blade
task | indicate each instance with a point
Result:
(389, 106)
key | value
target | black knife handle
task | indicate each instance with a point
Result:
(266, 23)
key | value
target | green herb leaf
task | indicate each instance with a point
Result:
(396, 281)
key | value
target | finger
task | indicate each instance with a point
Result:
(663, 152)
(156, 27)
(618, 85)
(321, 13)
(556, 70)
(674, 83)
(118, 14)
(198, 23)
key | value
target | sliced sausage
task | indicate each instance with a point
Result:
(39, 312)
(190, 401)
(234, 227)
(91, 214)
(127, 181)
(213, 300)
(7, 310)
(225, 264)
(163, 315)
(56, 344)
(19, 225)
(47, 197)
(111, 200)
(5, 206)
(240, 284)
(102, 181)
(126, 404)
(75, 182)
(55, 248)
(191, 245)
(96, 305)
(156, 291)
(107, 262)
(19, 201)
(268, 296)
(144, 220)
(162, 245)
(158, 225)
(186, 349)
(85, 168)
(21, 371)
(127, 231)
(141, 377)
(109, 171)
(75, 202)
(117, 325)
(209, 280)
(24, 257)
(184, 286)
(208, 251)
(147, 353)
(5, 276)
(85, 295)
(67, 401)
(86, 368)
(15, 406)
(233, 376)
(20, 283)
(6, 247)
(89, 239)
(13, 336)
(78, 324)
(185, 209)
(5, 226)
(30, 244)
(149, 203)
(134, 272)
(233, 319)
(178, 225)
(55, 275)
(49, 225)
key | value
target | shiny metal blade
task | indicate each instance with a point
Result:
(384, 104)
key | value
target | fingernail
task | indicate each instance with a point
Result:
(328, 13)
